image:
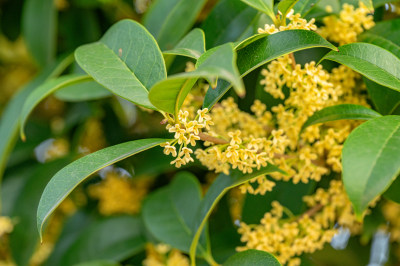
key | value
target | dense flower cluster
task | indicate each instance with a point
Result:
(350, 23)
(289, 237)
(162, 254)
(295, 22)
(119, 194)
(186, 132)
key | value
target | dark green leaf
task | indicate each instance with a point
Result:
(9, 125)
(267, 49)
(114, 238)
(388, 29)
(42, 92)
(164, 15)
(217, 190)
(371, 160)
(83, 91)
(379, 3)
(285, 6)
(135, 46)
(385, 100)
(169, 212)
(252, 257)
(227, 22)
(304, 6)
(98, 263)
(193, 45)
(168, 95)
(381, 42)
(340, 112)
(39, 23)
(101, 63)
(265, 6)
(370, 60)
(75, 173)
(393, 192)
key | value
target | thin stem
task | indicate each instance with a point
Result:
(206, 137)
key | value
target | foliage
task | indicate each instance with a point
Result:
(105, 101)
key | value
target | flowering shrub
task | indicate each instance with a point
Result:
(144, 156)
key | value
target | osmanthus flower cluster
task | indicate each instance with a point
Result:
(288, 236)
(162, 254)
(350, 23)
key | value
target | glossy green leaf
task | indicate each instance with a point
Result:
(83, 91)
(285, 6)
(193, 45)
(385, 100)
(138, 49)
(164, 15)
(217, 190)
(252, 257)
(265, 50)
(371, 160)
(10, 125)
(75, 173)
(39, 26)
(388, 29)
(381, 42)
(114, 238)
(101, 63)
(220, 62)
(229, 21)
(169, 212)
(340, 112)
(24, 238)
(370, 60)
(42, 92)
(303, 7)
(265, 6)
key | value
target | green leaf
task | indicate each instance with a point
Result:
(228, 22)
(285, 6)
(170, 211)
(371, 160)
(138, 49)
(98, 263)
(385, 100)
(109, 70)
(114, 238)
(39, 27)
(252, 257)
(83, 91)
(24, 238)
(164, 15)
(265, 6)
(219, 62)
(9, 125)
(388, 29)
(379, 3)
(265, 50)
(75, 173)
(370, 60)
(42, 92)
(340, 112)
(303, 7)
(217, 190)
(381, 42)
(393, 192)
(193, 45)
